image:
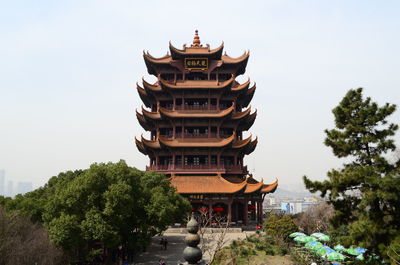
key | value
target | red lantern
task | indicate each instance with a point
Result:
(193, 209)
(203, 209)
(218, 209)
(251, 207)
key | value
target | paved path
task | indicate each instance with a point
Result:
(154, 253)
(176, 244)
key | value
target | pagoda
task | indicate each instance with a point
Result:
(196, 114)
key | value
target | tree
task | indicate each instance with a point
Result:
(23, 243)
(212, 239)
(365, 192)
(280, 227)
(315, 219)
(110, 205)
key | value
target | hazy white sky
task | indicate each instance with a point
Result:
(68, 71)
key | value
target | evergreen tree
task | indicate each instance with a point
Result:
(365, 192)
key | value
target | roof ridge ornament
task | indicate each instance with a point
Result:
(196, 39)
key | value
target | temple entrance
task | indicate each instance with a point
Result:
(219, 214)
(238, 213)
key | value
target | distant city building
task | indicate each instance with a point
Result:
(24, 187)
(10, 189)
(292, 207)
(2, 182)
(289, 205)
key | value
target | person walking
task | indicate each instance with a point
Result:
(165, 244)
(162, 243)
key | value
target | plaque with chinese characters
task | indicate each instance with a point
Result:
(196, 63)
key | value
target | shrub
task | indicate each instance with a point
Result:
(234, 244)
(260, 246)
(283, 251)
(244, 252)
(269, 251)
(253, 239)
(280, 226)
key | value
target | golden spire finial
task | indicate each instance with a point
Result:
(196, 39)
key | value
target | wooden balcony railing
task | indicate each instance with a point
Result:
(196, 107)
(238, 169)
(196, 135)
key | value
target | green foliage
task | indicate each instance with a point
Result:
(254, 250)
(269, 251)
(244, 252)
(234, 244)
(112, 204)
(253, 239)
(259, 246)
(280, 226)
(283, 251)
(365, 192)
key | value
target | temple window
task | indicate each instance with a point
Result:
(178, 102)
(224, 104)
(225, 132)
(178, 160)
(196, 160)
(166, 104)
(166, 132)
(196, 104)
(196, 132)
(164, 160)
(213, 160)
(224, 77)
(227, 160)
(196, 76)
(168, 77)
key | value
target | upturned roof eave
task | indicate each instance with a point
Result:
(196, 84)
(177, 143)
(242, 87)
(242, 114)
(195, 114)
(143, 95)
(196, 51)
(270, 188)
(206, 185)
(151, 115)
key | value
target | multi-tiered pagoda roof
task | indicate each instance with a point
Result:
(197, 114)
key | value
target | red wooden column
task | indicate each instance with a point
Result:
(229, 212)
(210, 212)
(245, 211)
(235, 212)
